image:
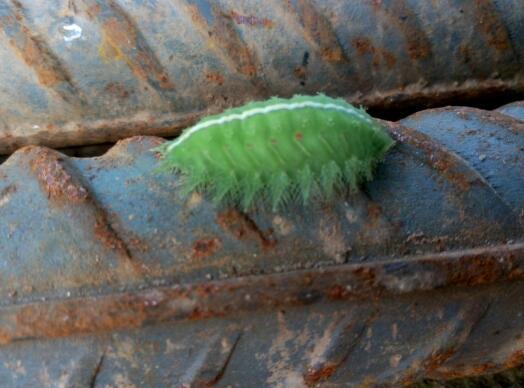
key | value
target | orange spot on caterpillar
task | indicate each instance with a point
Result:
(273, 141)
(298, 136)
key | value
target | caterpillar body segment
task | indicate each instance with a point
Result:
(278, 150)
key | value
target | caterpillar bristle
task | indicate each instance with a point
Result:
(252, 187)
(277, 151)
(278, 189)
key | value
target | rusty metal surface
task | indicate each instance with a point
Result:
(91, 71)
(121, 281)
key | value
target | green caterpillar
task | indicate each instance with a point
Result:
(277, 150)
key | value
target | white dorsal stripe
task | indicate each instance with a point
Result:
(270, 108)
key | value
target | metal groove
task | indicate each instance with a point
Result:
(495, 32)
(398, 12)
(343, 335)
(38, 56)
(124, 40)
(63, 186)
(233, 50)
(324, 42)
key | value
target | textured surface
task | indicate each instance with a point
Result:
(91, 71)
(112, 279)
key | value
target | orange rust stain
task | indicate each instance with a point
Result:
(446, 167)
(300, 72)
(41, 321)
(196, 17)
(248, 70)
(313, 376)
(119, 38)
(243, 228)
(55, 180)
(36, 57)
(205, 247)
(389, 58)
(93, 11)
(216, 78)
(476, 271)
(490, 24)
(202, 314)
(515, 359)
(436, 360)
(224, 36)
(337, 292)
(331, 54)
(365, 46)
(103, 233)
(399, 13)
(321, 32)
(137, 244)
(366, 274)
(374, 212)
(116, 90)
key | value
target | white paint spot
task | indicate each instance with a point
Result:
(71, 32)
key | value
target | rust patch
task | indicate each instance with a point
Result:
(486, 17)
(475, 271)
(248, 70)
(436, 360)
(367, 275)
(34, 55)
(93, 10)
(106, 235)
(399, 13)
(77, 318)
(215, 78)
(337, 292)
(117, 90)
(122, 41)
(54, 178)
(514, 360)
(37, 54)
(375, 230)
(205, 247)
(313, 375)
(250, 20)
(243, 228)
(224, 35)
(332, 55)
(300, 72)
(321, 33)
(379, 56)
